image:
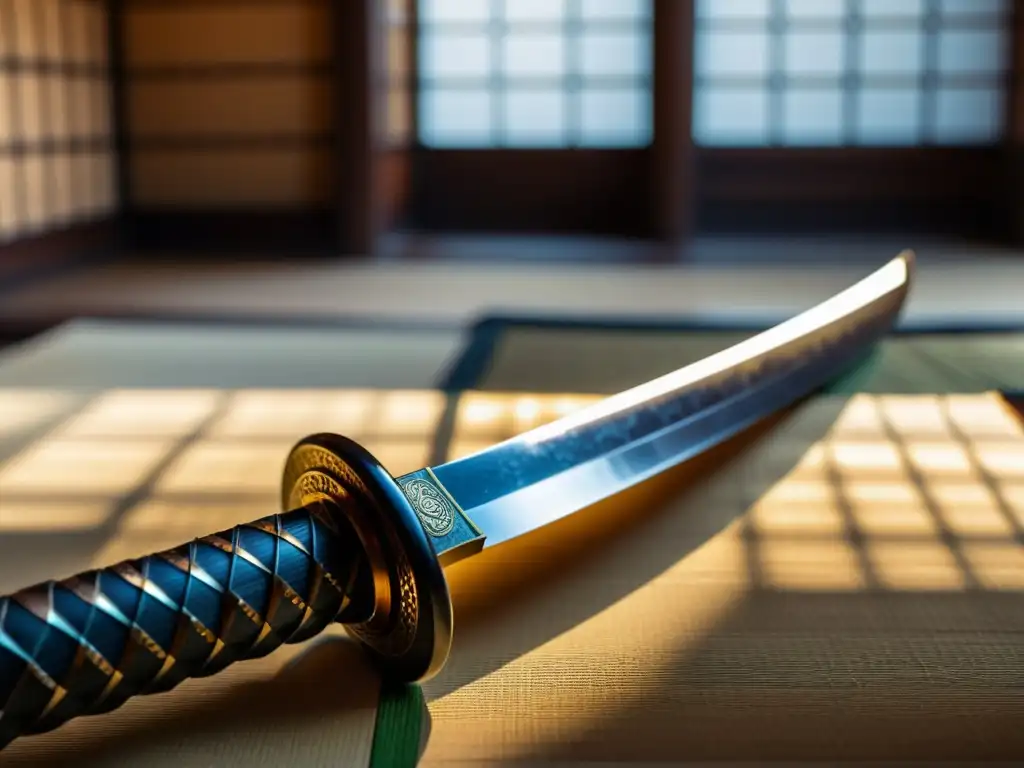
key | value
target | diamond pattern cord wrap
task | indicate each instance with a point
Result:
(86, 644)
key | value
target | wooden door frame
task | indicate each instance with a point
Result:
(1011, 180)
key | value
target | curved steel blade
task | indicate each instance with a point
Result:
(537, 477)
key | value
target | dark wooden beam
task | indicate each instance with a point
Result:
(45, 254)
(672, 156)
(779, 190)
(1011, 206)
(358, 30)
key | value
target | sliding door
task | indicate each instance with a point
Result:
(533, 115)
(57, 166)
(850, 113)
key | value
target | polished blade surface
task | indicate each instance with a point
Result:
(542, 475)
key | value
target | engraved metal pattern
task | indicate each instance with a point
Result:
(318, 473)
(432, 507)
(87, 644)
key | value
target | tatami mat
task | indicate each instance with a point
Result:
(103, 353)
(855, 564)
(452, 281)
(527, 358)
(845, 587)
(844, 582)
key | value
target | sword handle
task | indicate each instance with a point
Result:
(86, 644)
(349, 551)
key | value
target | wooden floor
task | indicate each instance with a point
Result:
(454, 281)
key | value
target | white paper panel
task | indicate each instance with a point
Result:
(80, 107)
(615, 117)
(891, 58)
(536, 117)
(887, 52)
(463, 55)
(55, 126)
(616, 10)
(452, 118)
(550, 11)
(815, 54)
(731, 116)
(611, 61)
(893, 9)
(399, 115)
(534, 55)
(889, 116)
(737, 54)
(813, 117)
(615, 54)
(976, 51)
(800, 10)
(99, 109)
(103, 199)
(7, 132)
(969, 115)
(8, 202)
(444, 11)
(975, 8)
(34, 192)
(715, 10)
(82, 186)
(30, 95)
(61, 173)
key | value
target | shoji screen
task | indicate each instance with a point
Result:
(57, 165)
(864, 73)
(229, 110)
(851, 114)
(535, 73)
(534, 115)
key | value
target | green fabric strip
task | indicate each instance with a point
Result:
(396, 736)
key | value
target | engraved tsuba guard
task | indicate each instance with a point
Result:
(409, 632)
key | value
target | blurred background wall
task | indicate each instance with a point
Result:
(291, 127)
(57, 153)
(230, 114)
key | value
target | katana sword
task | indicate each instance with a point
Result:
(368, 550)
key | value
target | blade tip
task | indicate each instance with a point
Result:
(909, 258)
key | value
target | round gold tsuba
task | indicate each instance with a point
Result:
(409, 634)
